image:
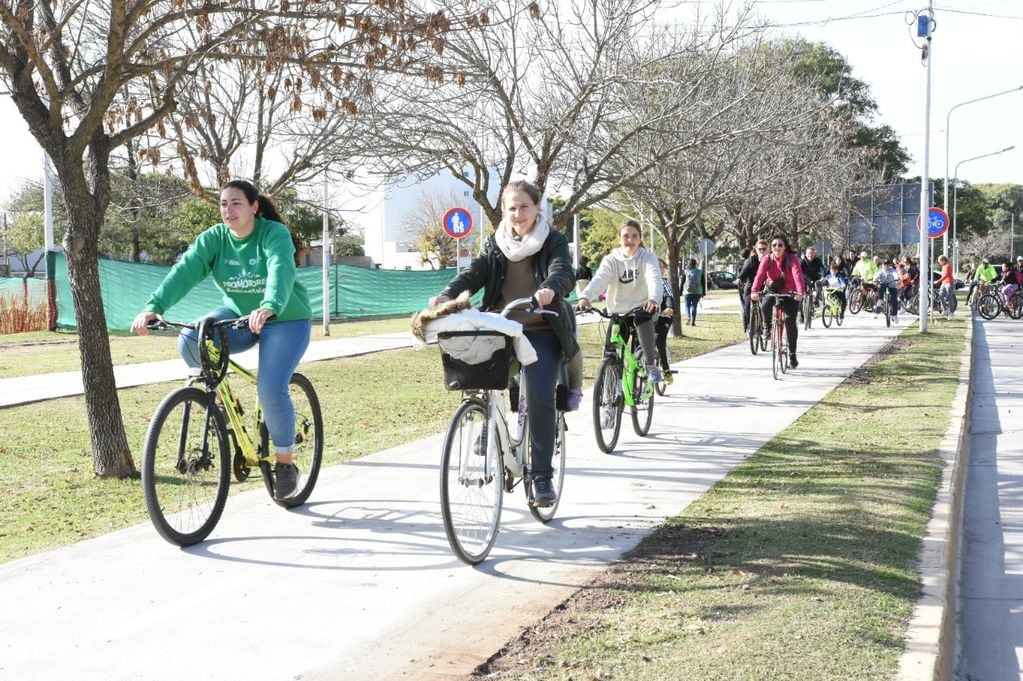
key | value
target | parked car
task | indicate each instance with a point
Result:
(721, 279)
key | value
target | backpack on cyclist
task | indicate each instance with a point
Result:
(692, 284)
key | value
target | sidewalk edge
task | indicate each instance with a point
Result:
(930, 641)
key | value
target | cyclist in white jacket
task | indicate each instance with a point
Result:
(631, 277)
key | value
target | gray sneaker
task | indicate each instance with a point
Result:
(286, 482)
(543, 492)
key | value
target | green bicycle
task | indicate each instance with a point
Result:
(832, 311)
(187, 464)
(621, 382)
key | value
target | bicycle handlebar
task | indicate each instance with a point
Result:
(609, 315)
(534, 307)
(161, 324)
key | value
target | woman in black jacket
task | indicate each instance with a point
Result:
(745, 278)
(525, 257)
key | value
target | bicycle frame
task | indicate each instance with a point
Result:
(630, 365)
(233, 410)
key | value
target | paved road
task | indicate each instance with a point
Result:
(360, 583)
(991, 579)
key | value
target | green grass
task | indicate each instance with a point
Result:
(43, 352)
(51, 497)
(797, 565)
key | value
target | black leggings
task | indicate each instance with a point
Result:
(791, 308)
(661, 328)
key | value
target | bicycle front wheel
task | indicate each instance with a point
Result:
(545, 513)
(607, 405)
(186, 467)
(777, 349)
(1016, 306)
(856, 301)
(989, 306)
(826, 316)
(471, 484)
(808, 310)
(308, 451)
(642, 410)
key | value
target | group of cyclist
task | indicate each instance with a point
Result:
(252, 258)
(1008, 279)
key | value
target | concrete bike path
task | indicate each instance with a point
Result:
(991, 551)
(360, 583)
(25, 389)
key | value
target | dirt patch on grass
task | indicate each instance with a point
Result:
(611, 589)
(861, 376)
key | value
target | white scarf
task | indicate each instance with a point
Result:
(516, 249)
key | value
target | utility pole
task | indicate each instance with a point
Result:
(925, 26)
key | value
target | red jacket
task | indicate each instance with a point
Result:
(771, 268)
(946, 274)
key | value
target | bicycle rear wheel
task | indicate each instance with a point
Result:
(471, 484)
(607, 404)
(643, 410)
(186, 466)
(308, 451)
(545, 513)
(989, 306)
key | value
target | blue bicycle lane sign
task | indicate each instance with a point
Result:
(937, 222)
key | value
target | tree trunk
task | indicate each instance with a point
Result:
(111, 456)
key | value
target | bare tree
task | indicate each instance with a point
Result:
(546, 92)
(90, 77)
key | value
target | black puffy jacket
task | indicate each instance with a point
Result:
(552, 268)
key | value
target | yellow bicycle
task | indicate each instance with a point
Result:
(186, 466)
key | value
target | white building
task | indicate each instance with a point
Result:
(386, 214)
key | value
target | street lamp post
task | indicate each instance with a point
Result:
(955, 200)
(948, 120)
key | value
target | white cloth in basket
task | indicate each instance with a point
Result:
(478, 349)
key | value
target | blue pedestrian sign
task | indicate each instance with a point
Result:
(458, 223)
(937, 222)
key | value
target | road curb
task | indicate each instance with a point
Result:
(931, 637)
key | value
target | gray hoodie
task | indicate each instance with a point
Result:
(629, 282)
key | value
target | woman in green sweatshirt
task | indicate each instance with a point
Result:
(252, 259)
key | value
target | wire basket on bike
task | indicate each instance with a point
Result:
(476, 359)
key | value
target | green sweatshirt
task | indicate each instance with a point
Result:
(257, 271)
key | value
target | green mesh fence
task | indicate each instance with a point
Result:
(354, 292)
(16, 288)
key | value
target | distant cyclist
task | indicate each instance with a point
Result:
(813, 272)
(781, 273)
(985, 274)
(747, 273)
(865, 270)
(887, 280)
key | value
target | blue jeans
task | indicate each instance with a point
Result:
(541, 379)
(281, 346)
(893, 299)
(692, 300)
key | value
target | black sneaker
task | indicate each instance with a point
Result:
(793, 362)
(543, 492)
(286, 480)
